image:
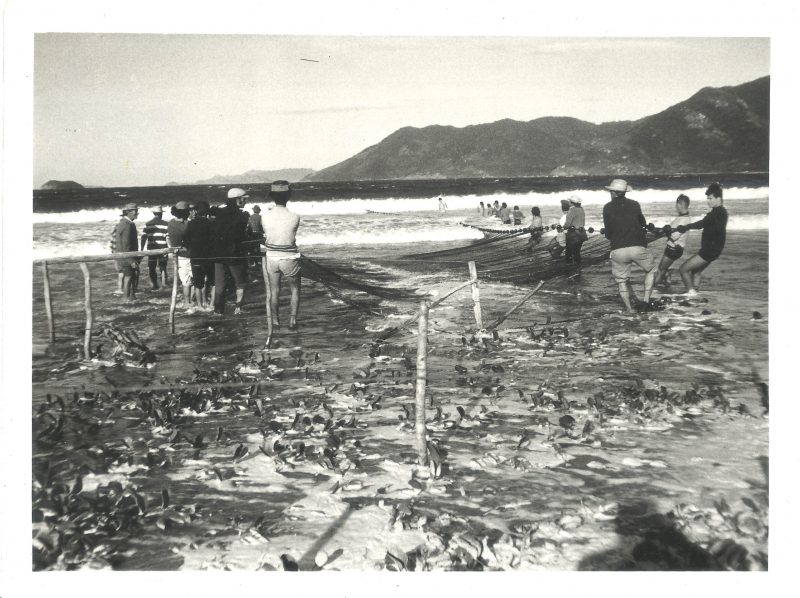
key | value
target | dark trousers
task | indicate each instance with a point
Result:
(572, 254)
(236, 269)
(155, 265)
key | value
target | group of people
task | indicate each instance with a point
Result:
(625, 228)
(502, 211)
(216, 245)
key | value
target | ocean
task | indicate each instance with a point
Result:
(570, 340)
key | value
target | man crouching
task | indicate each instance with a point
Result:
(283, 258)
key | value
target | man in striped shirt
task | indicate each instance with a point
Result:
(155, 237)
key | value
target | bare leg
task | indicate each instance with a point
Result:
(694, 264)
(663, 266)
(648, 285)
(127, 287)
(294, 287)
(199, 297)
(625, 292)
(239, 299)
(120, 283)
(275, 285)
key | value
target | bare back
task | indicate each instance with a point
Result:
(280, 226)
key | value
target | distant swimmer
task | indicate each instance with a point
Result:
(625, 229)
(125, 240)
(155, 237)
(230, 255)
(482, 209)
(714, 226)
(518, 215)
(675, 241)
(283, 257)
(442, 205)
(575, 233)
(504, 214)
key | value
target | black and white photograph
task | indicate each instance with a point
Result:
(363, 298)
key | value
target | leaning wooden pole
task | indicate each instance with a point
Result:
(422, 379)
(87, 302)
(48, 303)
(268, 294)
(502, 318)
(174, 299)
(476, 295)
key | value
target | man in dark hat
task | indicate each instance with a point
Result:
(155, 237)
(625, 229)
(283, 258)
(229, 253)
(176, 228)
(198, 240)
(125, 240)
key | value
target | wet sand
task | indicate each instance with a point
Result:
(517, 490)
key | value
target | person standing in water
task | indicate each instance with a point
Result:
(559, 242)
(675, 241)
(125, 240)
(230, 256)
(714, 226)
(482, 209)
(155, 237)
(283, 257)
(575, 234)
(198, 239)
(625, 229)
(442, 205)
(536, 228)
(175, 230)
(518, 215)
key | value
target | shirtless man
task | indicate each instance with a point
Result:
(283, 258)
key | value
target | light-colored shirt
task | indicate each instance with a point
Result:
(676, 238)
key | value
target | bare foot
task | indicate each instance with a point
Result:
(292, 324)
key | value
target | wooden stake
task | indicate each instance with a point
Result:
(174, 299)
(502, 318)
(476, 295)
(87, 294)
(422, 377)
(268, 291)
(48, 303)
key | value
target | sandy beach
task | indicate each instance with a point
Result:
(576, 438)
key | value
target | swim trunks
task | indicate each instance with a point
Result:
(673, 252)
(709, 255)
(185, 270)
(287, 266)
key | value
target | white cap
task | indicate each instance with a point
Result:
(236, 192)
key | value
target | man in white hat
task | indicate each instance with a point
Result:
(155, 237)
(283, 258)
(125, 240)
(229, 255)
(625, 229)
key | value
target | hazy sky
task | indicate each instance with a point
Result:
(120, 109)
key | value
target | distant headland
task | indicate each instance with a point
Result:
(61, 185)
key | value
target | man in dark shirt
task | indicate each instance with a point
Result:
(125, 241)
(625, 229)
(229, 254)
(155, 237)
(714, 225)
(198, 239)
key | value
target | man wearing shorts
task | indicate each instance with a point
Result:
(675, 241)
(155, 237)
(125, 239)
(714, 225)
(229, 255)
(197, 239)
(176, 228)
(625, 229)
(283, 258)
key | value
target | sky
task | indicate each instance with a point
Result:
(120, 109)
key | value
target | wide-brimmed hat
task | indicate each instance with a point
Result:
(157, 210)
(182, 205)
(619, 185)
(236, 192)
(575, 200)
(130, 207)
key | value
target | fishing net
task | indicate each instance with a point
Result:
(352, 276)
(511, 257)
